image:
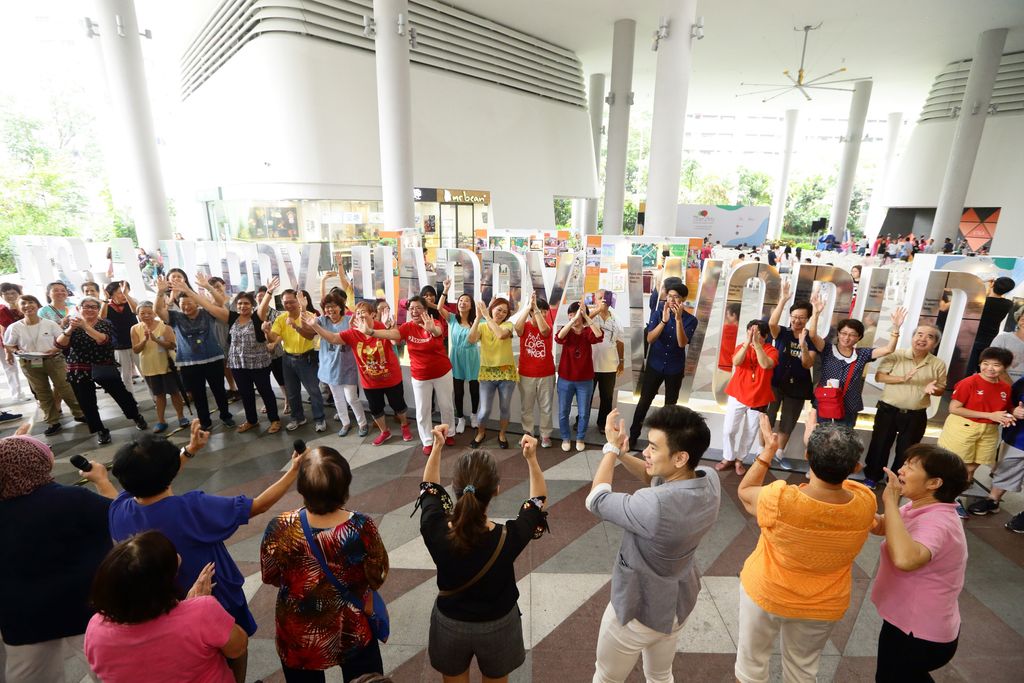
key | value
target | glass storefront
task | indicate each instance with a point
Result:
(448, 218)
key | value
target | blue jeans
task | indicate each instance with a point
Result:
(300, 371)
(584, 392)
(504, 388)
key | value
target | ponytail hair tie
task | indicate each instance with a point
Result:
(469, 488)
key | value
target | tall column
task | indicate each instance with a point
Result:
(126, 79)
(394, 111)
(988, 52)
(851, 151)
(619, 100)
(671, 87)
(876, 209)
(595, 103)
(782, 182)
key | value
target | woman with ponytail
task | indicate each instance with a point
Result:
(476, 614)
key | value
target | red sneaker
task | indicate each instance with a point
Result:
(427, 450)
(450, 441)
(406, 434)
(384, 436)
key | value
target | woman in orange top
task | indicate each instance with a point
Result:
(798, 578)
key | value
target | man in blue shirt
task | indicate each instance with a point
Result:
(668, 332)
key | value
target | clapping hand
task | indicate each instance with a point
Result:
(204, 583)
(197, 437)
(303, 301)
(162, 285)
(364, 325)
(427, 323)
(1003, 418)
(768, 437)
(615, 431)
(1018, 412)
(202, 280)
(440, 435)
(755, 336)
(481, 310)
(274, 283)
(786, 288)
(817, 303)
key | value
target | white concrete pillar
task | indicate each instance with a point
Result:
(851, 151)
(876, 209)
(125, 72)
(782, 181)
(619, 101)
(671, 87)
(394, 111)
(988, 53)
(595, 104)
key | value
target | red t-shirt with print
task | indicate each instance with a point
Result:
(375, 358)
(427, 353)
(977, 393)
(535, 351)
(751, 384)
(577, 361)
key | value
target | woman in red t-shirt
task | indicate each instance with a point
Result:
(537, 368)
(750, 392)
(379, 371)
(576, 371)
(431, 370)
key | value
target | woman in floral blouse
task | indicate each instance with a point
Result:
(90, 360)
(317, 628)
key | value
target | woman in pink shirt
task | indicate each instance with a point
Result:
(923, 561)
(143, 631)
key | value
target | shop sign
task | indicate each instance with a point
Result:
(466, 196)
(352, 218)
(424, 194)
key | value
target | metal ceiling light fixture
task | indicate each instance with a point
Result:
(800, 83)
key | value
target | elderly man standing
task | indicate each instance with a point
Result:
(911, 377)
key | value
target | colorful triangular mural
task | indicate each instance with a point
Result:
(978, 227)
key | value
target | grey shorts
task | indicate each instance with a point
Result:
(162, 385)
(791, 409)
(1009, 474)
(497, 645)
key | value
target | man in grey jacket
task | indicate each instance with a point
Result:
(655, 579)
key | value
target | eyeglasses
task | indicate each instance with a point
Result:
(90, 307)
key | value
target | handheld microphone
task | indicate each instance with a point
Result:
(81, 462)
(299, 446)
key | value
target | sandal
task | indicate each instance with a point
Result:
(502, 443)
(244, 427)
(723, 465)
(477, 443)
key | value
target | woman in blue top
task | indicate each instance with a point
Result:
(195, 522)
(200, 357)
(836, 359)
(465, 357)
(338, 366)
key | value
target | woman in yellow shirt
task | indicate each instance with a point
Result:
(798, 578)
(498, 374)
(155, 343)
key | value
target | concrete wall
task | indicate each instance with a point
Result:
(292, 117)
(997, 180)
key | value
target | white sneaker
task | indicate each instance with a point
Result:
(566, 446)
(545, 442)
(473, 422)
(295, 424)
(320, 426)
(460, 426)
(580, 446)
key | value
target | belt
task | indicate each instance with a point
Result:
(300, 355)
(904, 411)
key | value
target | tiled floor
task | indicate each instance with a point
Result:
(564, 577)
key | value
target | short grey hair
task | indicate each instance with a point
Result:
(934, 328)
(833, 451)
(89, 299)
(145, 304)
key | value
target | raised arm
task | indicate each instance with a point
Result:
(757, 342)
(753, 481)
(441, 300)
(520, 324)
(538, 487)
(432, 470)
(776, 316)
(617, 446)
(614, 431)
(211, 307)
(268, 298)
(897, 318)
(681, 337)
(160, 305)
(906, 553)
(219, 298)
(817, 306)
(276, 491)
(655, 332)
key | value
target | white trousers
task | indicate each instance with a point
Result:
(618, 646)
(13, 375)
(739, 428)
(537, 392)
(443, 389)
(44, 662)
(801, 643)
(348, 393)
(126, 358)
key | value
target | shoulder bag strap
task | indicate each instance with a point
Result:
(346, 595)
(849, 373)
(482, 572)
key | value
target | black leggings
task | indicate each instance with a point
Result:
(460, 393)
(251, 381)
(365, 661)
(903, 658)
(648, 390)
(604, 386)
(277, 369)
(85, 392)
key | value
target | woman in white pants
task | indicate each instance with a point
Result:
(338, 366)
(750, 392)
(431, 369)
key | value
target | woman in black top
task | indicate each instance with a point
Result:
(120, 309)
(997, 307)
(476, 612)
(54, 537)
(90, 358)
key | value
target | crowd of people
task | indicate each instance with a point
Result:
(139, 581)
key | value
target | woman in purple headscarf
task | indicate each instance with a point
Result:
(53, 539)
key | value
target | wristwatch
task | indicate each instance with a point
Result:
(611, 448)
(186, 453)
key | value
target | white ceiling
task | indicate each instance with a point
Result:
(901, 44)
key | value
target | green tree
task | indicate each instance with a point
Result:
(714, 190)
(806, 203)
(753, 188)
(629, 215)
(563, 212)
